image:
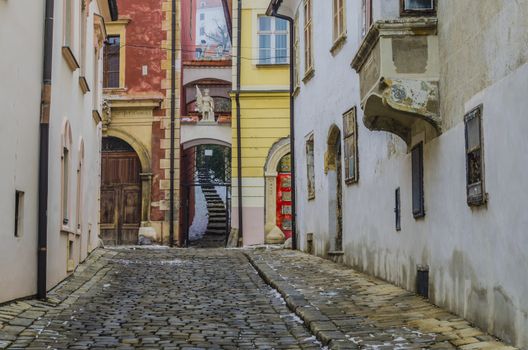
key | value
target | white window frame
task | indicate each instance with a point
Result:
(273, 35)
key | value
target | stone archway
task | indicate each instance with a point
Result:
(333, 170)
(145, 230)
(279, 149)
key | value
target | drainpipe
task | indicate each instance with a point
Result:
(238, 118)
(45, 104)
(173, 120)
(292, 121)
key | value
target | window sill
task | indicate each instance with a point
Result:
(113, 90)
(70, 58)
(308, 75)
(272, 65)
(338, 44)
(296, 90)
(84, 84)
(96, 116)
(349, 182)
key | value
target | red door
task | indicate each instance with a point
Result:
(284, 204)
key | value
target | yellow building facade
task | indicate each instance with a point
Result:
(263, 111)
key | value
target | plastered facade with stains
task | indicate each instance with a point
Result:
(476, 256)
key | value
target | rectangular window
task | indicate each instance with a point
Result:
(338, 19)
(417, 7)
(68, 28)
(367, 16)
(417, 181)
(474, 157)
(308, 54)
(83, 31)
(397, 209)
(273, 40)
(19, 211)
(111, 62)
(310, 167)
(202, 16)
(351, 146)
(297, 76)
(65, 184)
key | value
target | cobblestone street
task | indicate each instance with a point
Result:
(191, 299)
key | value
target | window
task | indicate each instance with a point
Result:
(111, 62)
(308, 54)
(297, 76)
(68, 28)
(367, 16)
(202, 16)
(79, 194)
(19, 211)
(65, 174)
(397, 209)
(351, 149)
(83, 31)
(474, 157)
(339, 19)
(310, 168)
(202, 31)
(65, 184)
(417, 181)
(273, 40)
(417, 7)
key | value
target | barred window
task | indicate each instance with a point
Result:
(417, 181)
(474, 157)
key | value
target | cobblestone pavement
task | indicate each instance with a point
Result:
(347, 307)
(157, 299)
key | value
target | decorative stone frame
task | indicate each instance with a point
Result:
(278, 150)
(145, 174)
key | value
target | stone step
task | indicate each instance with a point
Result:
(215, 225)
(215, 232)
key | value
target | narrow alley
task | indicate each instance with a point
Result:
(162, 298)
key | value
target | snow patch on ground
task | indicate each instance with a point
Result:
(201, 216)
(221, 190)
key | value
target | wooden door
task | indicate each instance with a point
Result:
(120, 197)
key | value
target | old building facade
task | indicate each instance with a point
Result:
(261, 98)
(135, 197)
(67, 145)
(411, 147)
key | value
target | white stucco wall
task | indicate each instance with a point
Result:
(70, 104)
(477, 257)
(20, 94)
(21, 72)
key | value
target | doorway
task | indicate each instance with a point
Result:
(334, 172)
(120, 193)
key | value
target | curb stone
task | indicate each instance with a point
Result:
(318, 323)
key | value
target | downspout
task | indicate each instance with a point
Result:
(292, 121)
(173, 121)
(238, 119)
(45, 104)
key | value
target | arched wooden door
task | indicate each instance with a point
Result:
(120, 193)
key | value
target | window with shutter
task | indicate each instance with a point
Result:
(111, 62)
(417, 181)
(474, 157)
(351, 149)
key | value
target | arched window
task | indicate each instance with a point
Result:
(65, 172)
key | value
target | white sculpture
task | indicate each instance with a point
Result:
(205, 105)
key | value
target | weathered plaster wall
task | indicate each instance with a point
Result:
(478, 49)
(477, 257)
(19, 139)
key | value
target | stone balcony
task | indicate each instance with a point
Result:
(398, 66)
